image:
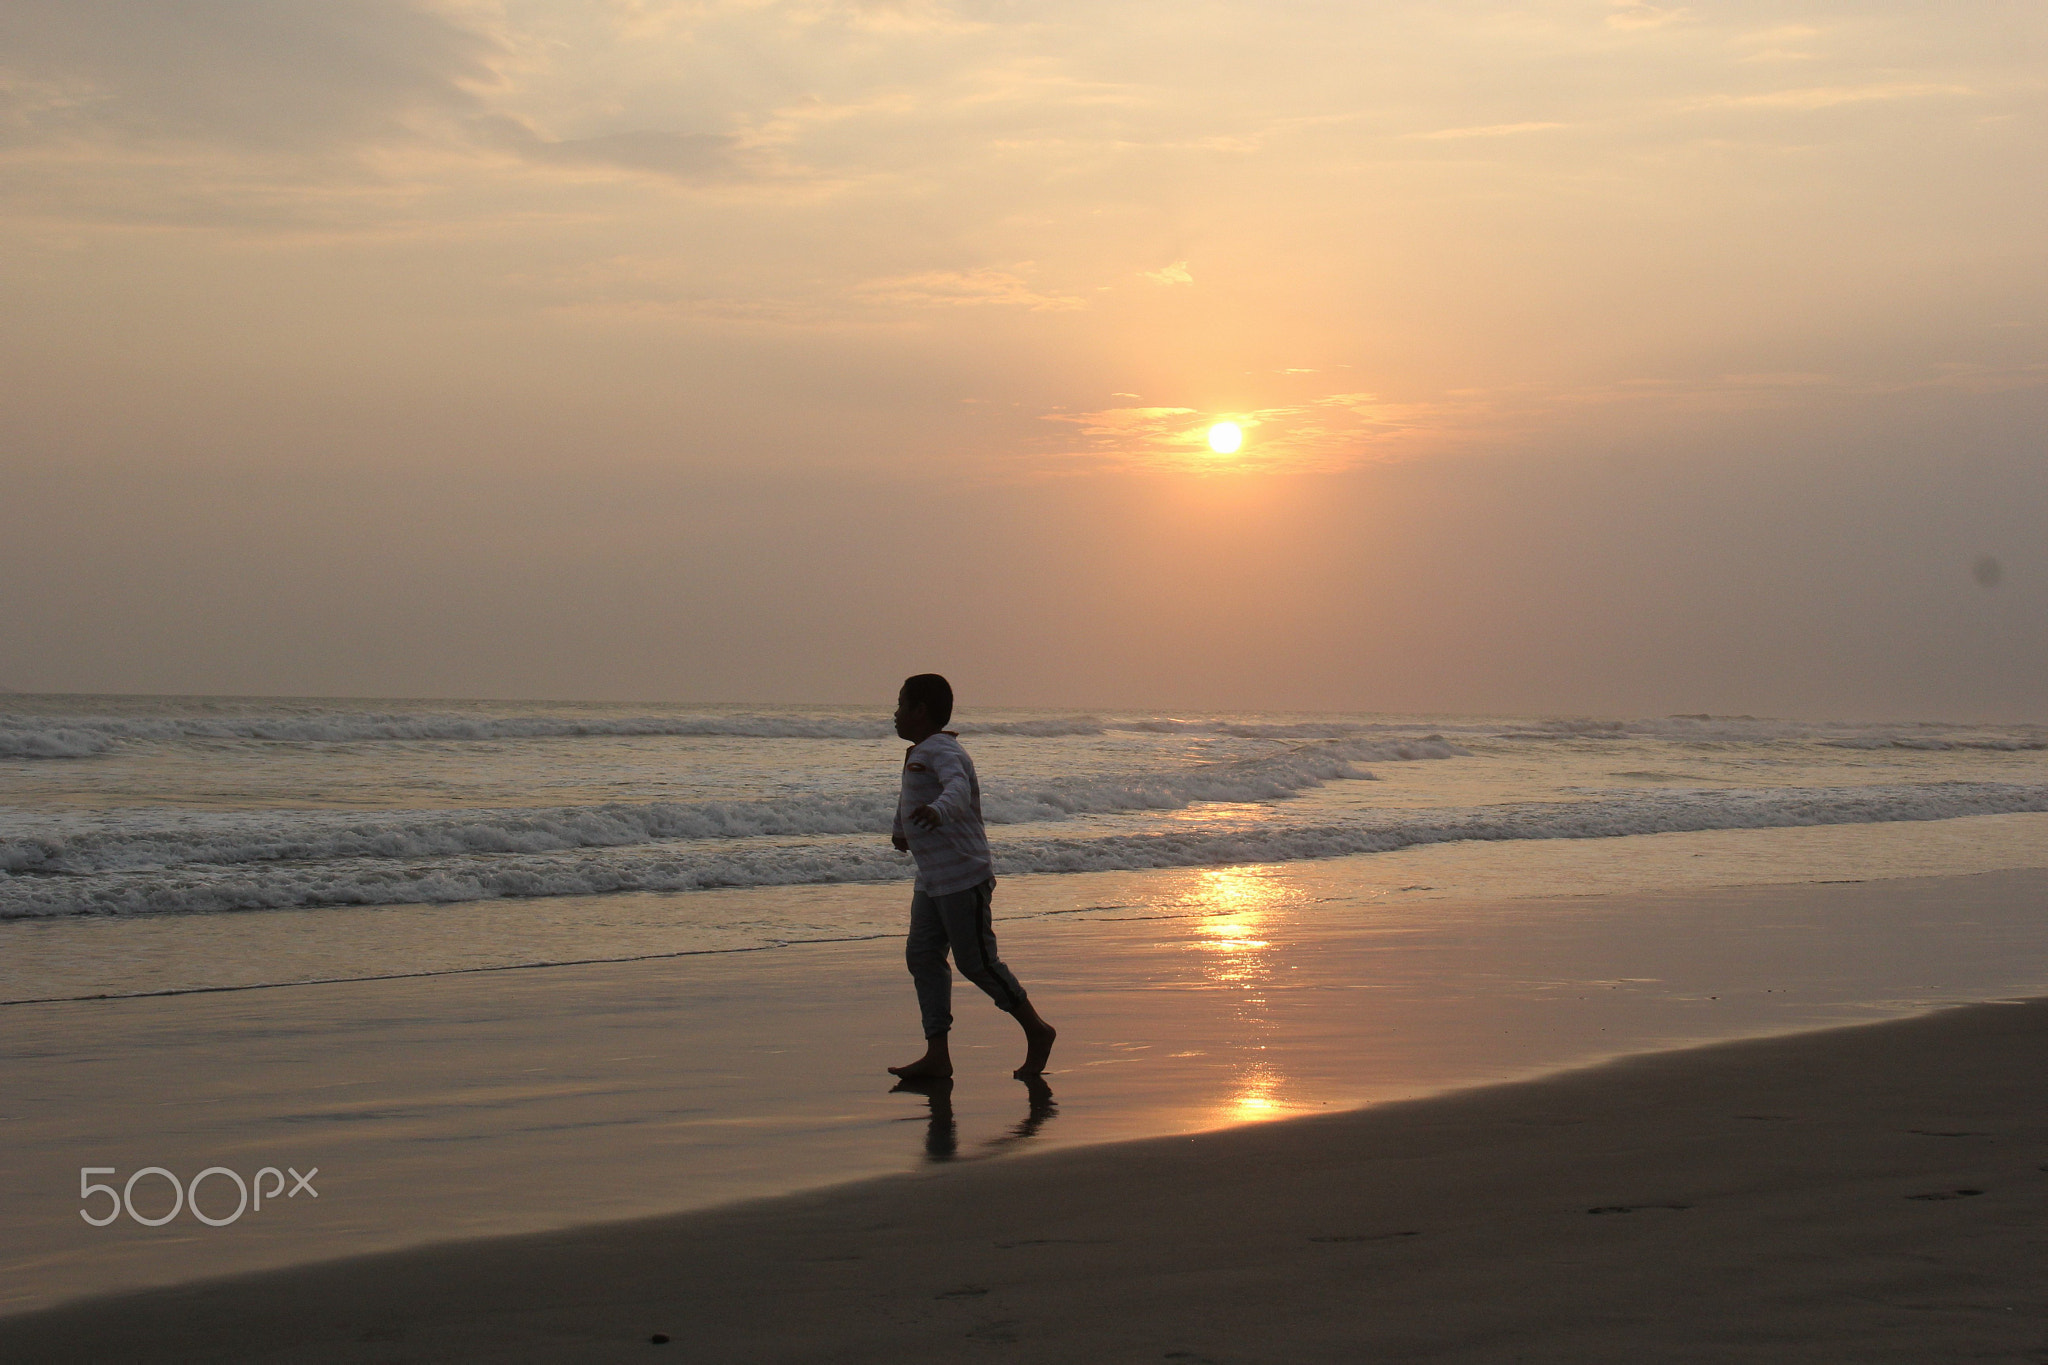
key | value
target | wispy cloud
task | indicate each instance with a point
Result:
(285, 75)
(1489, 130)
(964, 289)
(1342, 430)
(1633, 14)
(1828, 96)
(1785, 43)
(1775, 390)
(1326, 433)
(1980, 377)
(682, 156)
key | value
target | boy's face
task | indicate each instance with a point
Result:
(908, 717)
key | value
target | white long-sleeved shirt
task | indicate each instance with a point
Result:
(953, 857)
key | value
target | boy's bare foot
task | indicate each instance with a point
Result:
(1038, 1039)
(935, 1065)
(923, 1069)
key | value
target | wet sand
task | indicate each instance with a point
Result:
(1875, 1193)
(544, 1101)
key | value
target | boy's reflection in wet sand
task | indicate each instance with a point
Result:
(942, 1135)
(942, 1138)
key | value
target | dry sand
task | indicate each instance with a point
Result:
(1877, 1193)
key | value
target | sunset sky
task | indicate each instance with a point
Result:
(1591, 357)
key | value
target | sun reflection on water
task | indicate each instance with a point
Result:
(1237, 955)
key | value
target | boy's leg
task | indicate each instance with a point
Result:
(924, 952)
(970, 928)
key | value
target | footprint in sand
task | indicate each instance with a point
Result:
(1631, 1208)
(1946, 1194)
(1054, 1242)
(1365, 1236)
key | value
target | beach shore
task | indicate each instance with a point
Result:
(449, 1108)
(1874, 1193)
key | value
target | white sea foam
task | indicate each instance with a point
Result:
(86, 736)
(1051, 727)
(386, 881)
(1333, 729)
(70, 844)
(1989, 743)
(1755, 729)
(25, 736)
(46, 740)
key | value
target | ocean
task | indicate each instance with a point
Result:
(162, 844)
(497, 967)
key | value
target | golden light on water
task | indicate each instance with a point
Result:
(1237, 952)
(1225, 438)
(1254, 1099)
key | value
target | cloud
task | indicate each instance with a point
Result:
(1784, 33)
(669, 287)
(964, 289)
(1629, 14)
(1490, 130)
(1177, 273)
(1980, 377)
(683, 156)
(1775, 390)
(1828, 96)
(1343, 430)
(1776, 44)
(1331, 432)
(687, 155)
(300, 75)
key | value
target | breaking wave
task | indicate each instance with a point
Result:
(1334, 729)
(383, 880)
(87, 736)
(141, 841)
(1991, 743)
(1755, 729)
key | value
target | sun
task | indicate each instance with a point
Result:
(1225, 438)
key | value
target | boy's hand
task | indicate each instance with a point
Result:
(902, 844)
(924, 817)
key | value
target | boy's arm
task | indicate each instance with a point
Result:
(896, 834)
(956, 797)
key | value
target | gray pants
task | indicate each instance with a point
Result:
(959, 921)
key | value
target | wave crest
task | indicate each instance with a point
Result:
(388, 882)
(139, 841)
(87, 736)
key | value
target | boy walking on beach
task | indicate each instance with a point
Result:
(938, 822)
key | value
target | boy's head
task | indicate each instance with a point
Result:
(926, 697)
